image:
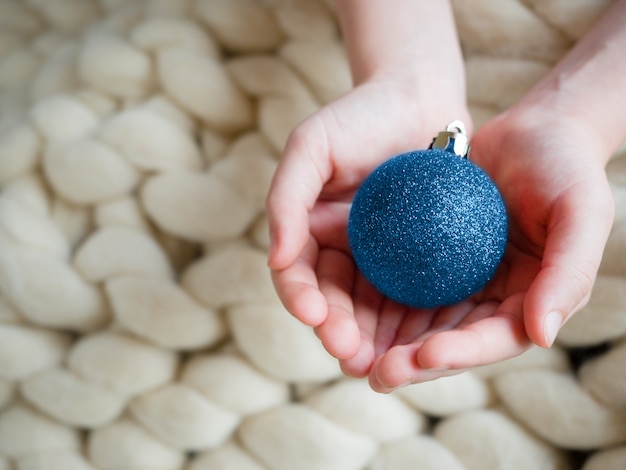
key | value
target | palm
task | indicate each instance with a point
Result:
(559, 201)
(559, 207)
(398, 344)
(325, 160)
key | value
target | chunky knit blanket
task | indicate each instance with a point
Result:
(139, 329)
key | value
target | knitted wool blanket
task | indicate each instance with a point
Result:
(139, 328)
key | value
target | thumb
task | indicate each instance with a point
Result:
(296, 186)
(578, 228)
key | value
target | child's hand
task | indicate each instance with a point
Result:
(546, 154)
(405, 92)
(551, 174)
(325, 160)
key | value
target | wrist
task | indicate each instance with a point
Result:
(570, 115)
(538, 128)
(409, 50)
(587, 86)
(428, 107)
(399, 35)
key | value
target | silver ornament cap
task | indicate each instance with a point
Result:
(454, 139)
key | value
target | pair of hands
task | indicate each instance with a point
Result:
(560, 210)
(546, 154)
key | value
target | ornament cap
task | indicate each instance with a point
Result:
(454, 139)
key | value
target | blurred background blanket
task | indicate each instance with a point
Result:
(139, 329)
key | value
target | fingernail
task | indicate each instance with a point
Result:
(551, 326)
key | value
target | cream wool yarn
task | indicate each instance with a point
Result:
(449, 395)
(263, 332)
(351, 404)
(139, 327)
(505, 29)
(240, 25)
(115, 251)
(121, 212)
(63, 118)
(150, 141)
(70, 399)
(24, 431)
(27, 350)
(7, 391)
(30, 191)
(602, 319)
(124, 444)
(159, 32)
(604, 377)
(293, 435)
(206, 197)
(69, 460)
(572, 419)
(161, 312)
(283, 99)
(111, 65)
(225, 457)
(86, 171)
(199, 425)
(497, 442)
(56, 72)
(232, 275)
(121, 362)
(24, 226)
(611, 459)
(8, 314)
(222, 106)
(612, 262)
(226, 379)
(19, 149)
(418, 451)
(48, 291)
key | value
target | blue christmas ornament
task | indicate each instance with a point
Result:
(428, 228)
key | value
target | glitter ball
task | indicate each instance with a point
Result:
(428, 228)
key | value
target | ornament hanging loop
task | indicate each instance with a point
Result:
(454, 140)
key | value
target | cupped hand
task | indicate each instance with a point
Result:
(325, 160)
(547, 155)
(550, 168)
(551, 174)
(560, 210)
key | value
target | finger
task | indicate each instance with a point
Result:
(415, 324)
(298, 289)
(391, 316)
(398, 367)
(296, 185)
(367, 304)
(496, 337)
(339, 332)
(480, 312)
(328, 224)
(574, 245)
(447, 318)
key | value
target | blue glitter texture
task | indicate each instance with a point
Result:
(428, 228)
